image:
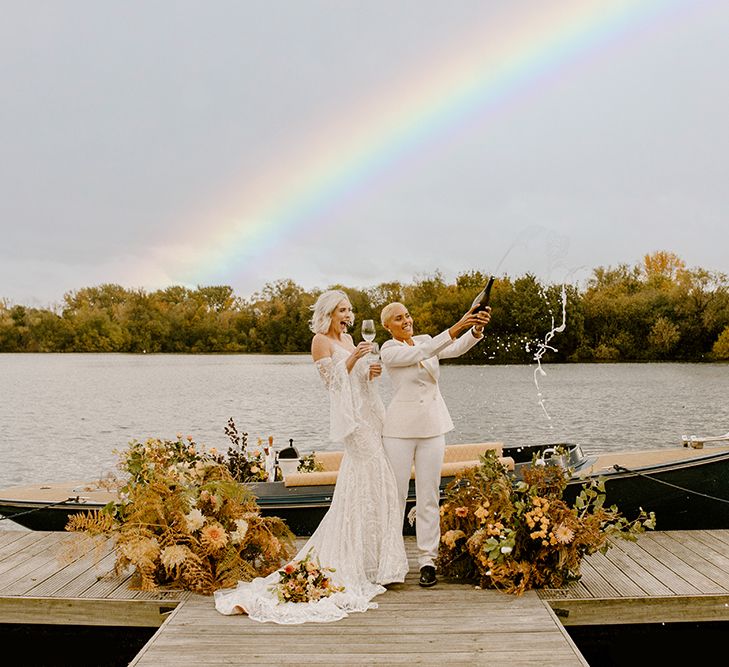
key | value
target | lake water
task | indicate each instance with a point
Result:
(63, 416)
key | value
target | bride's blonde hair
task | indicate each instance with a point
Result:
(321, 319)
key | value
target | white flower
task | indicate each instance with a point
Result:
(505, 550)
(239, 534)
(195, 520)
(174, 556)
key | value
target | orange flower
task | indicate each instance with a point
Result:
(461, 511)
(214, 535)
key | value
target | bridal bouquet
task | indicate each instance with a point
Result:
(305, 581)
(518, 535)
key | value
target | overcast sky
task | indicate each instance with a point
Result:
(336, 141)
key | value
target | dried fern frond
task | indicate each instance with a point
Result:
(94, 522)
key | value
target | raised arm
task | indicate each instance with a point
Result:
(393, 353)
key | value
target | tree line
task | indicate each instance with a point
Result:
(656, 310)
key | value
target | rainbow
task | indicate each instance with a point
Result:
(488, 73)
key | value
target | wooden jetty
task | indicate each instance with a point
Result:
(51, 577)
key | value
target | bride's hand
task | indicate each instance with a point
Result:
(360, 351)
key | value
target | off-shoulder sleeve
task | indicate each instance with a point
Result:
(341, 404)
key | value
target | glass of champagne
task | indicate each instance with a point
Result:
(369, 333)
(368, 330)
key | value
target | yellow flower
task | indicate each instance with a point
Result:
(451, 537)
(481, 512)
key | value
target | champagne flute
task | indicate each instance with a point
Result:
(369, 333)
(368, 330)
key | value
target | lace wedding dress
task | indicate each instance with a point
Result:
(361, 534)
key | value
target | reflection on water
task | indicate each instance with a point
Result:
(62, 416)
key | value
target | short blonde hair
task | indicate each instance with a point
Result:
(325, 305)
(386, 312)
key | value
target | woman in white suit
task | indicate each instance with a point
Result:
(417, 418)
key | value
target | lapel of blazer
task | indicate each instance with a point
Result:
(429, 366)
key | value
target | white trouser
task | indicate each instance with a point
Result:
(427, 454)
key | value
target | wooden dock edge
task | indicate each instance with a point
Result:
(635, 611)
(83, 611)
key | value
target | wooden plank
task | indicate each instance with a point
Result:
(660, 549)
(675, 609)
(470, 627)
(685, 547)
(32, 542)
(593, 580)
(611, 572)
(672, 581)
(489, 648)
(663, 577)
(9, 536)
(712, 541)
(78, 578)
(56, 611)
(23, 569)
(54, 575)
(494, 656)
(633, 570)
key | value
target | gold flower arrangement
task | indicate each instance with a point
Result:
(184, 521)
(515, 535)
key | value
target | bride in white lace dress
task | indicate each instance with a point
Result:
(360, 537)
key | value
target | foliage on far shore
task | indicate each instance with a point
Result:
(516, 535)
(657, 310)
(184, 521)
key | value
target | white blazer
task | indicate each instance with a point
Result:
(417, 409)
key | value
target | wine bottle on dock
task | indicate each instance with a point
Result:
(484, 298)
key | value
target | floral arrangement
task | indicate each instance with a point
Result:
(305, 581)
(184, 521)
(309, 463)
(245, 465)
(515, 535)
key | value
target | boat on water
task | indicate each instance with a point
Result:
(687, 486)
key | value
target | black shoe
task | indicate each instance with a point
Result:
(427, 576)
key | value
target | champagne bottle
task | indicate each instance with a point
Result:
(483, 299)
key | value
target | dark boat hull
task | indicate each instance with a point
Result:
(684, 493)
(688, 497)
(302, 514)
